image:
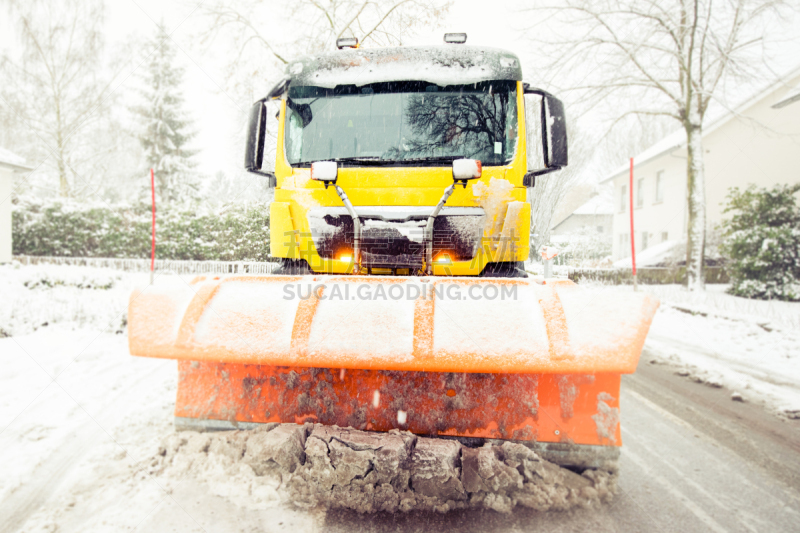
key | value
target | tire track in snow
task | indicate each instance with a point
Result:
(47, 477)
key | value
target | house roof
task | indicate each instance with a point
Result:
(599, 205)
(652, 256)
(677, 139)
(9, 159)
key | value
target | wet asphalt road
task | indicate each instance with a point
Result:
(692, 460)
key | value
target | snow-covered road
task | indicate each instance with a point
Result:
(81, 420)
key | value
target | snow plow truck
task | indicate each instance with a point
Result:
(402, 220)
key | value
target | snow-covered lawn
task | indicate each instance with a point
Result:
(751, 347)
(81, 420)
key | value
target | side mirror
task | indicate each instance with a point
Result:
(465, 170)
(254, 150)
(325, 171)
(554, 126)
(546, 129)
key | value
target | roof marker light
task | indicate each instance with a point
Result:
(455, 38)
(347, 42)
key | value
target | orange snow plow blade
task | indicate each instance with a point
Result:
(568, 408)
(393, 323)
(485, 358)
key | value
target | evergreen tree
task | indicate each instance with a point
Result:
(167, 128)
(762, 242)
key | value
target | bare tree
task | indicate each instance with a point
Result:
(669, 58)
(320, 22)
(256, 39)
(53, 85)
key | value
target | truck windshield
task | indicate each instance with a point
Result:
(402, 123)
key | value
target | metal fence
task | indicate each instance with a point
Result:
(161, 265)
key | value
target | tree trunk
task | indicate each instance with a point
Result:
(62, 167)
(696, 204)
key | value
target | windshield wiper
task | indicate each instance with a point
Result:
(423, 160)
(378, 161)
(360, 159)
(437, 158)
(369, 160)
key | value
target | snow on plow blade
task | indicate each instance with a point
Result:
(491, 358)
(393, 324)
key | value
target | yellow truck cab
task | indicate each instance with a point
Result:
(406, 161)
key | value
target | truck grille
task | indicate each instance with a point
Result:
(392, 237)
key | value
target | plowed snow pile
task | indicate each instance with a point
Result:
(322, 466)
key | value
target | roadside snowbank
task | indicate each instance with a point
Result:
(750, 346)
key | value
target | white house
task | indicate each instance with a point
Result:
(584, 236)
(758, 143)
(593, 216)
(9, 164)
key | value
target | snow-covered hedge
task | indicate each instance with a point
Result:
(762, 242)
(191, 232)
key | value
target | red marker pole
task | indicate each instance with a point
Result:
(633, 235)
(153, 247)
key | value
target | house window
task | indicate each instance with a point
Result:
(659, 187)
(644, 240)
(664, 236)
(624, 244)
(622, 193)
(640, 192)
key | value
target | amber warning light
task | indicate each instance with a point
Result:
(347, 42)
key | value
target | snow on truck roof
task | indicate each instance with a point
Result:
(441, 65)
